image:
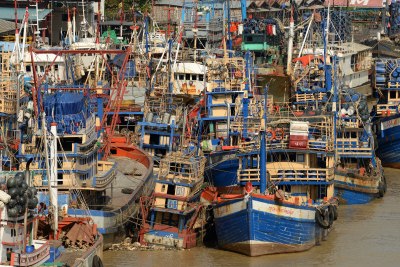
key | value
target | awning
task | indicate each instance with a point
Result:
(8, 13)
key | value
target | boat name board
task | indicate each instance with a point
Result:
(390, 124)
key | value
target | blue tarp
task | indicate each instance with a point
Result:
(63, 103)
(67, 109)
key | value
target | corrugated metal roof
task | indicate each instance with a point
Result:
(6, 26)
(8, 13)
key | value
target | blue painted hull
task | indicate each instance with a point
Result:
(388, 138)
(352, 197)
(222, 169)
(258, 226)
(356, 189)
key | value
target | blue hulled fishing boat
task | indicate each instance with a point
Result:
(386, 111)
(283, 198)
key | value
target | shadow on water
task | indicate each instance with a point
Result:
(364, 235)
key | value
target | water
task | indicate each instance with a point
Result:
(367, 235)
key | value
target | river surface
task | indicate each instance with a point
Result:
(363, 235)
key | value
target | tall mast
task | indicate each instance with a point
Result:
(51, 167)
(290, 42)
(263, 145)
(84, 22)
(73, 23)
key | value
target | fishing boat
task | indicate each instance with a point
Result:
(386, 111)
(229, 81)
(171, 215)
(34, 236)
(283, 200)
(82, 138)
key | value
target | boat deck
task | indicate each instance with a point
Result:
(130, 175)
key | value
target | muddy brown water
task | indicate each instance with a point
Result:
(364, 235)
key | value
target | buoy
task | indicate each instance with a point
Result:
(271, 134)
(238, 74)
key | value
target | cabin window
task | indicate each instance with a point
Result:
(392, 94)
(13, 232)
(41, 68)
(171, 189)
(300, 158)
(28, 68)
(201, 77)
(56, 67)
(353, 62)
(181, 77)
(187, 77)
(194, 77)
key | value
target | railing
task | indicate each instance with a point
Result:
(38, 256)
(318, 145)
(309, 97)
(314, 174)
(351, 146)
(387, 109)
(110, 169)
(248, 175)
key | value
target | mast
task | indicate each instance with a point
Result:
(195, 30)
(51, 167)
(73, 23)
(84, 22)
(37, 32)
(290, 42)
(70, 37)
(263, 146)
(22, 51)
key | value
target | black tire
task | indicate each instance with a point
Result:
(335, 212)
(381, 192)
(97, 262)
(322, 218)
(331, 215)
(127, 191)
(384, 184)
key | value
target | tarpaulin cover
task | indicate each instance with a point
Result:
(68, 110)
(63, 103)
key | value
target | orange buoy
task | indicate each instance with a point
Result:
(271, 134)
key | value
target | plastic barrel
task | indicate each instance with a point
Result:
(30, 249)
(166, 118)
(149, 117)
(380, 78)
(172, 118)
(379, 69)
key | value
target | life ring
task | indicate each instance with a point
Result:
(270, 134)
(388, 112)
(277, 109)
(281, 135)
(238, 74)
(96, 262)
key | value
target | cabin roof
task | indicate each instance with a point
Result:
(190, 67)
(6, 26)
(8, 13)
